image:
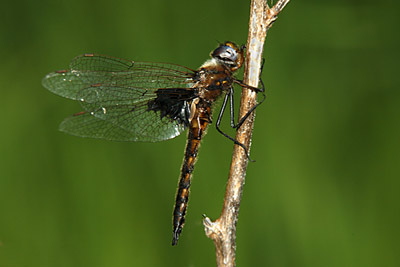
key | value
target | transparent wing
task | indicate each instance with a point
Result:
(90, 69)
(124, 100)
(64, 83)
(137, 111)
(87, 125)
(96, 62)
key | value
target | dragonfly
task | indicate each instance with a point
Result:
(125, 100)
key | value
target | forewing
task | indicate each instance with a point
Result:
(64, 83)
(91, 69)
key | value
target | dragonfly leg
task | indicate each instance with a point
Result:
(221, 113)
(257, 90)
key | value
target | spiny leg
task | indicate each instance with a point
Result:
(257, 90)
(228, 96)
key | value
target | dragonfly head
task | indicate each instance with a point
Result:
(230, 55)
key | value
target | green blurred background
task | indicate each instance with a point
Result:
(323, 192)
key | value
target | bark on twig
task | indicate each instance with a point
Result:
(223, 230)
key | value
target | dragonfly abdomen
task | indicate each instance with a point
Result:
(196, 131)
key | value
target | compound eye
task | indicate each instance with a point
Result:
(226, 53)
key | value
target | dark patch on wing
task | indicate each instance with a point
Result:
(173, 103)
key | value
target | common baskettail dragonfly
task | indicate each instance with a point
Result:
(126, 100)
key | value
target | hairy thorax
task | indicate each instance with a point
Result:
(213, 80)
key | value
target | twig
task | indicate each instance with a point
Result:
(223, 230)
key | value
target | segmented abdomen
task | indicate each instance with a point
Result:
(197, 128)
